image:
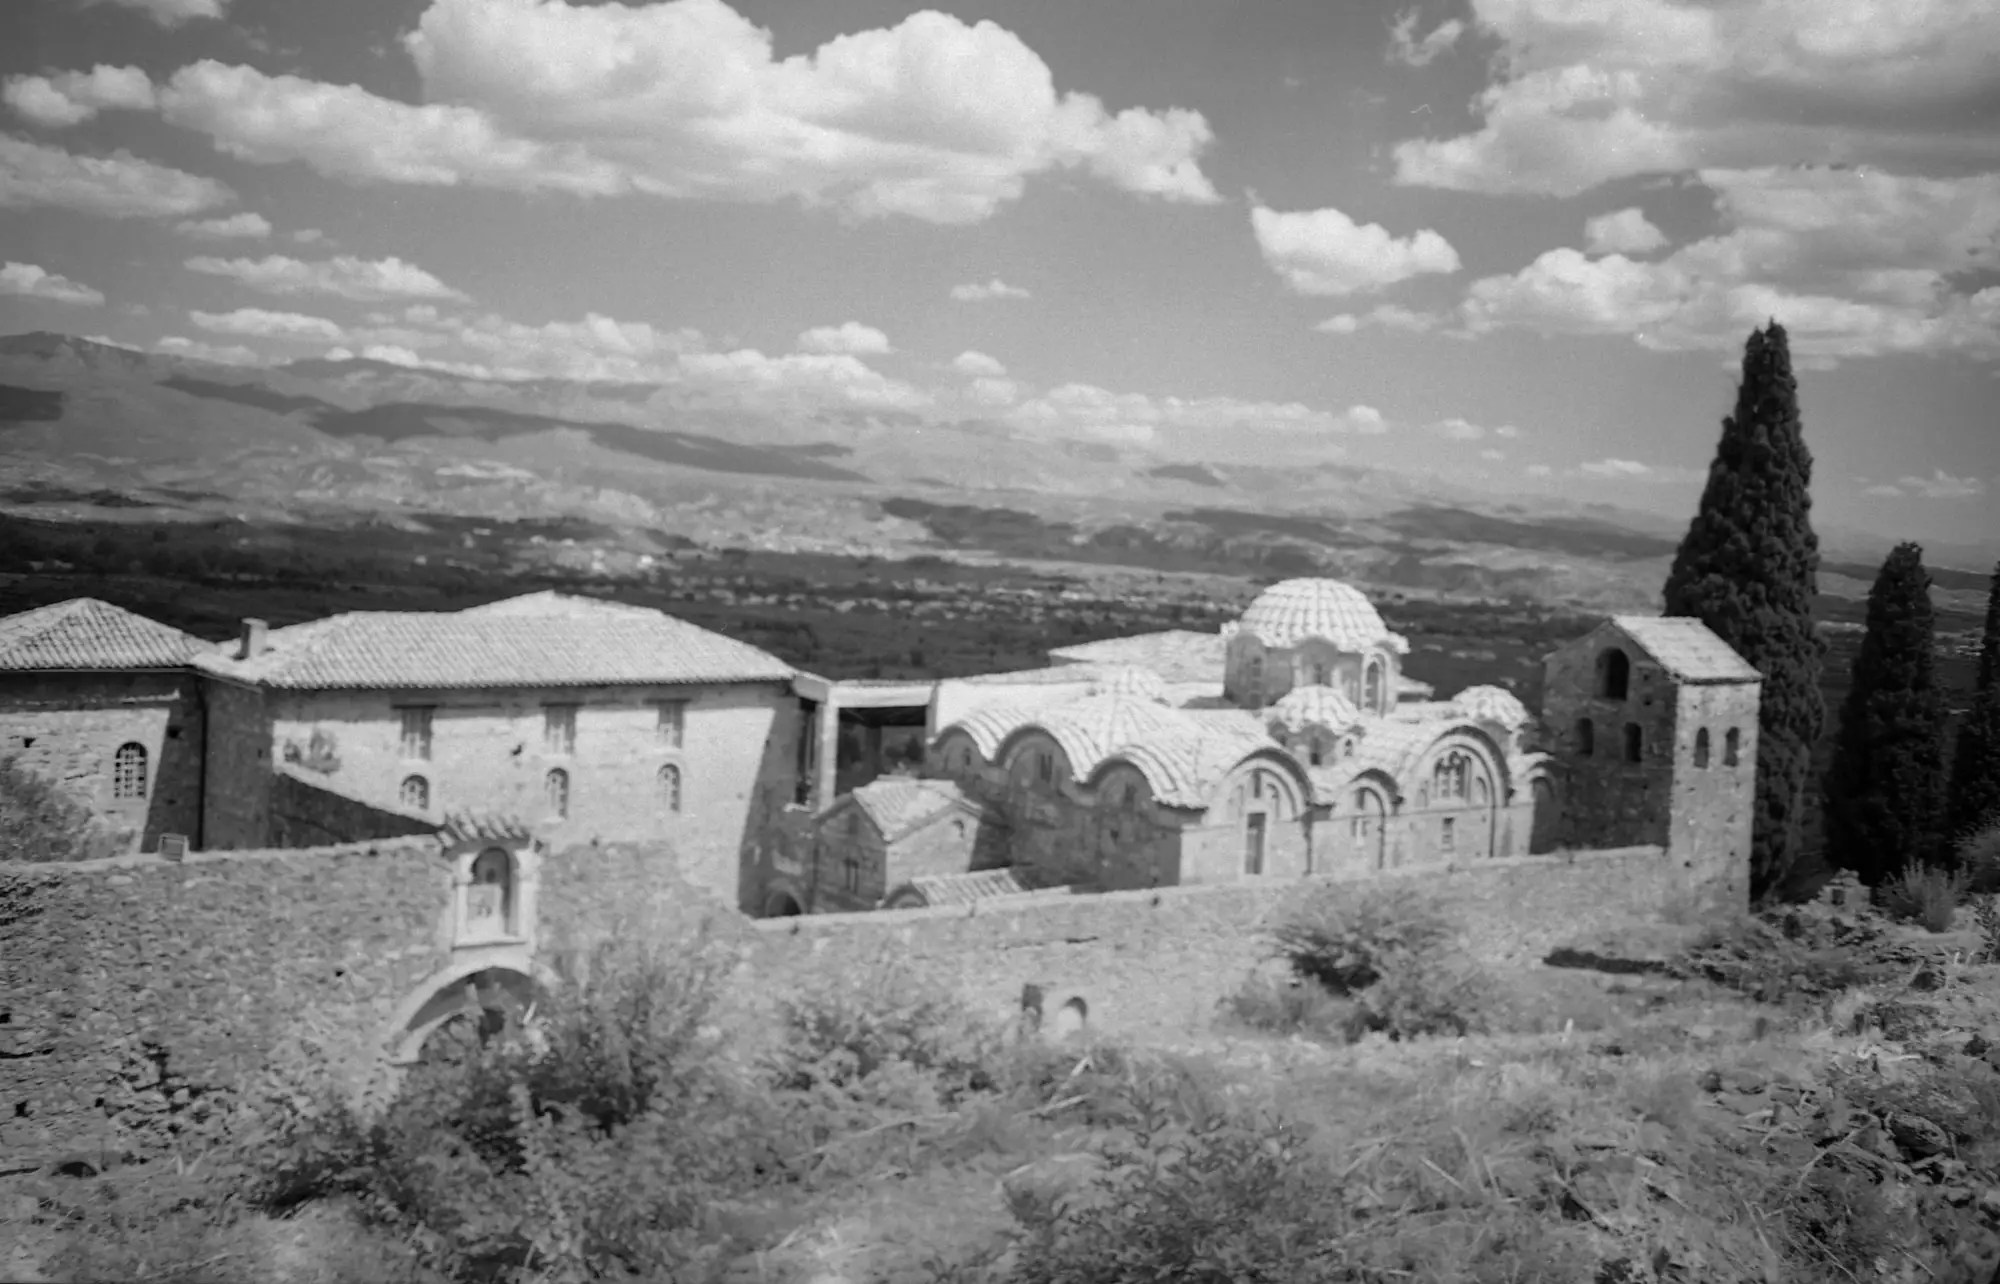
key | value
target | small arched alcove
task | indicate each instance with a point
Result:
(478, 991)
(1614, 674)
(782, 905)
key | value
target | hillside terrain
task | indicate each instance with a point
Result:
(91, 431)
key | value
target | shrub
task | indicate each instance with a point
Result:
(1284, 1007)
(1343, 937)
(1925, 894)
(1422, 995)
(1979, 860)
(41, 822)
(1222, 1196)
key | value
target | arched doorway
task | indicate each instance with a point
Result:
(782, 905)
(473, 1000)
(1369, 827)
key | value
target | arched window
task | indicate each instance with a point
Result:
(1452, 777)
(1614, 674)
(1586, 738)
(489, 902)
(1253, 681)
(1316, 751)
(555, 788)
(1635, 742)
(670, 787)
(1347, 747)
(128, 771)
(416, 793)
(850, 872)
(1701, 747)
(1372, 687)
(1320, 674)
(1732, 743)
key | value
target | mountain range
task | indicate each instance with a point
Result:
(93, 429)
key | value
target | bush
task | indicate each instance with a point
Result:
(1220, 1197)
(1979, 860)
(1343, 936)
(1391, 951)
(600, 1132)
(1287, 1007)
(40, 822)
(1925, 894)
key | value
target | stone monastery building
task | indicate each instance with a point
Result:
(1290, 744)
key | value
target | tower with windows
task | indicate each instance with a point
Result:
(1652, 726)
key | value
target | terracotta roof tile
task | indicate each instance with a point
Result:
(545, 644)
(84, 633)
(899, 804)
(984, 885)
(1177, 655)
(1687, 648)
(1291, 611)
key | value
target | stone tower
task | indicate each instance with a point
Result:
(1652, 726)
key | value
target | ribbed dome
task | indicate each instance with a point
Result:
(1293, 610)
(1131, 680)
(1304, 707)
(1491, 704)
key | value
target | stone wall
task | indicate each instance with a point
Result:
(1713, 801)
(236, 797)
(307, 812)
(735, 759)
(1154, 964)
(134, 988)
(68, 728)
(1608, 800)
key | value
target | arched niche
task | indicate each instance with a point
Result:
(495, 889)
(465, 988)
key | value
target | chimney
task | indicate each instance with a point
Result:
(253, 639)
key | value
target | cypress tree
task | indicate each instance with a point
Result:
(1885, 790)
(1975, 763)
(1749, 569)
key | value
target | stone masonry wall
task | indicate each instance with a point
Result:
(68, 727)
(236, 798)
(1712, 805)
(1154, 964)
(735, 759)
(306, 813)
(135, 990)
(1607, 801)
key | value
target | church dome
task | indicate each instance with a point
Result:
(1291, 611)
(1491, 704)
(1133, 681)
(1303, 707)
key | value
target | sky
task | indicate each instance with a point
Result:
(1516, 244)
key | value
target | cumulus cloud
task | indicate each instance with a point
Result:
(1538, 470)
(1626, 231)
(259, 324)
(116, 186)
(839, 377)
(994, 391)
(1406, 49)
(977, 363)
(932, 119)
(172, 13)
(1084, 410)
(363, 280)
(30, 281)
(72, 97)
(1492, 456)
(1457, 429)
(308, 236)
(1939, 485)
(237, 227)
(977, 292)
(849, 336)
(1325, 252)
(234, 354)
(1388, 316)
(1590, 92)
(1614, 468)
(1854, 263)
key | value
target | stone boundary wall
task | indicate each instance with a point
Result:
(307, 811)
(133, 987)
(1154, 964)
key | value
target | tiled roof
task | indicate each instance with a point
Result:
(472, 826)
(1291, 611)
(1408, 686)
(1177, 655)
(1491, 704)
(898, 804)
(1052, 675)
(1391, 746)
(1183, 768)
(550, 602)
(968, 889)
(1314, 706)
(1687, 648)
(1131, 680)
(84, 633)
(545, 644)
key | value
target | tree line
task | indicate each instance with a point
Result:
(1748, 568)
